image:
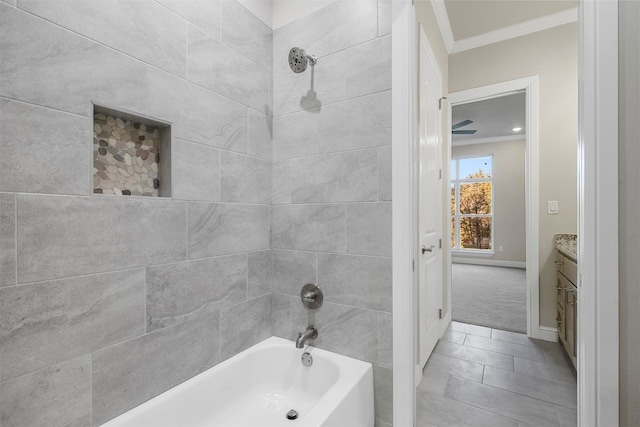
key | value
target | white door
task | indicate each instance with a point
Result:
(430, 202)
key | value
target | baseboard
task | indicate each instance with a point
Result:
(546, 333)
(489, 262)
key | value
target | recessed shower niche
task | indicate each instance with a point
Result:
(131, 154)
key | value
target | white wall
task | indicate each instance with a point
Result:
(508, 197)
(552, 55)
(629, 172)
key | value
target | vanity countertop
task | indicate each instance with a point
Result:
(568, 245)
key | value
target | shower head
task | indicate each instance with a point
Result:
(298, 59)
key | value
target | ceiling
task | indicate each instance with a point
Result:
(470, 18)
(493, 119)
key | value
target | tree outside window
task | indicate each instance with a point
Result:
(472, 203)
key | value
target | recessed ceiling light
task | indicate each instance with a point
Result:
(516, 129)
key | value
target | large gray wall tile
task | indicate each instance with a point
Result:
(244, 179)
(292, 228)
(259, 273)
(356, 123)
(128, 374)
(385, 339)
(295, 135)
(67, 236)
(183, 291)
(145, 29)
(244, 325)
(330, 227)
(203, 14)
(360, 281)
(369, 228)
(220, 229)
(259, 134)
(308, 227)
(343, 177)
(46, 323)
(281, 189)
(197, 114)
(244, 32)
(568, 417)
(346, 330)
(383, 393)
(384, 173)
(37, 160)
(59, 395)
(342, 24)
(373, 70)
(196, 171)
(225, 71)
(282, 315)
(384, 17)
(315, 88)
(50, 66)
(292, 270)
(7, 239)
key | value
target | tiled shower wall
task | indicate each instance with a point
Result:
(331, 212)
(106, 301)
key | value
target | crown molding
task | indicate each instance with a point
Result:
(517, 30)
(444, 24)
(528, 27)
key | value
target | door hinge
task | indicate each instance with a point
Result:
(439, 173)
(440, 102)
(440, 243)
(413, 265)
(439, 313)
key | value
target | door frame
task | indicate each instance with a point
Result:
(404, 96)
(598, 260)
(532, 189)
(598, 393)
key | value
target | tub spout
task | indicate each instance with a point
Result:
(303, 337)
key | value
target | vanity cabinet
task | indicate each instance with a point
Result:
(567, 307)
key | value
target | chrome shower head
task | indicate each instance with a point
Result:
(298, 60)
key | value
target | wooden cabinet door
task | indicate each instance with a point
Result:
(560, 308)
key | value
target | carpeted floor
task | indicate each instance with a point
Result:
(489, 296)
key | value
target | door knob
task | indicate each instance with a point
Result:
(429, 249)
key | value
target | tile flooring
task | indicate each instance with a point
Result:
(479, 376)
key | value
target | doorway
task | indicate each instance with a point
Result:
(529, 87)
(487, 215)
(598, 398)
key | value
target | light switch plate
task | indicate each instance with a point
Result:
(552, 207)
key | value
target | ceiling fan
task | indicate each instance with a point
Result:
(455, 131)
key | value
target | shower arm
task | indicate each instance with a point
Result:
(312, 59)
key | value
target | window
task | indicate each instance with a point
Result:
(472, 203)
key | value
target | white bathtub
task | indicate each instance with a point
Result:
(257, 388)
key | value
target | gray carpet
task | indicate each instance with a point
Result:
(489, 296)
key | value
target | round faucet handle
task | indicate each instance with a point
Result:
(311, 296)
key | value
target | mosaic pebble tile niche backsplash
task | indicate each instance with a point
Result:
(125, 157)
